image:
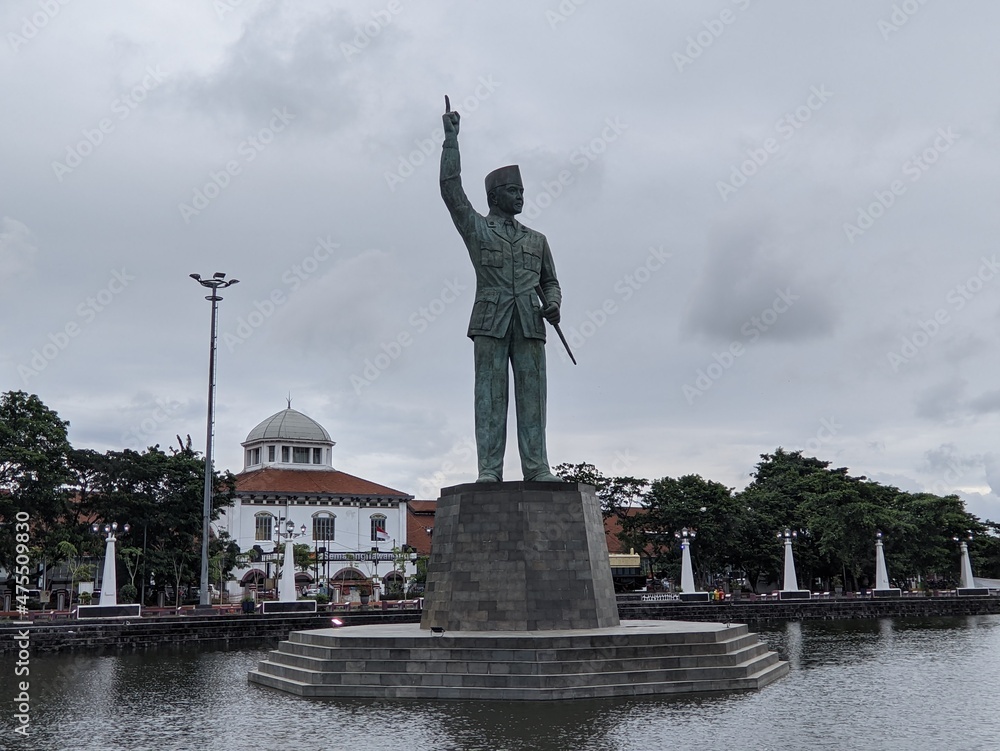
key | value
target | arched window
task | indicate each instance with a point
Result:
(378, 528)
(263, 525)
(324, 525)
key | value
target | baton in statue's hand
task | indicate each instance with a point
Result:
(541, 297)
(447, 104)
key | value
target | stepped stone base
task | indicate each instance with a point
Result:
(519, 556)
(633, 659)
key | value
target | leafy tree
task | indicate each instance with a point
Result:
(78, 571)
(615, 493)
(33, 474)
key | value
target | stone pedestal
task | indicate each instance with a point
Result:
(519, 556)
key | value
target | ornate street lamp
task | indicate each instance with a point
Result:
(109, 583)
(882, 586)
(286, 588)
(689, 592)
(967, 584)
(790, 589)
(217, 282)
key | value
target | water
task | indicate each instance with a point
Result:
(887, 684)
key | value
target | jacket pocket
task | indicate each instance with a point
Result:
(491, 257)
(531, 254)
(485, 309)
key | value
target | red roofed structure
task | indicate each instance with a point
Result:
(289, 487)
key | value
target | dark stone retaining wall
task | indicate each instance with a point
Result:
(767, 612)
(239, 630)
(144, 633)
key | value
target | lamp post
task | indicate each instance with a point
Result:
(689, 592)
(109, 583)
(967, 584)
(217, 282)
(882, 586)
(286, 588)
(790, 589)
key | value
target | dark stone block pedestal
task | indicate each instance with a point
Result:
(972, 592)
(794, 594)
(298, 606)
(519, 556)
(694, 596)
(881, 594)
(109, 611)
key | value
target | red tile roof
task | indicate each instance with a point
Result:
(320, 481)
(420, 518)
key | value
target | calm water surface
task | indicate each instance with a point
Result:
(887, 684)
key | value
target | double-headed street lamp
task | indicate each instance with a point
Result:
(109, 582)
(286, 589)
(217, 282)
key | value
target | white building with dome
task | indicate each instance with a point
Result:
(351, 525)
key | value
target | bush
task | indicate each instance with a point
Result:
(85, 598)
(321, 599)
(128, 594)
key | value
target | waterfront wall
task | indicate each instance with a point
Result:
(237, 630)
(806, 610)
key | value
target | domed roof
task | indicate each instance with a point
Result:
(289, 425)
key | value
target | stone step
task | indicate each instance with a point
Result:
(593, 676)
(439, 650)
(752, 682)
(403, 661)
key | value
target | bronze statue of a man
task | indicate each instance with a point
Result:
(511, 262)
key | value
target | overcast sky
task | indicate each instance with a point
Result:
(774, 225)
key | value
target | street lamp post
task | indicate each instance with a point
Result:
(109, 583)
(217, 282)
(689, 592)
(286, 588)
(967, 583)
(790, 589)
(882, 586)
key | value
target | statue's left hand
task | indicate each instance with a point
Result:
(551, 313)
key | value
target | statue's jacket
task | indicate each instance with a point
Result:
(507, 270)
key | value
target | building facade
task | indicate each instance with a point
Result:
(355, 528)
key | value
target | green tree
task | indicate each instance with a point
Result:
(34, 474)
(615, 493)
(78, 571)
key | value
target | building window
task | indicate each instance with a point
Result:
(317, 456)
(323, 526)
(300, 455)
(253, 457)
(378, 528)
(284, 454)
(263, 525)
(270, 453)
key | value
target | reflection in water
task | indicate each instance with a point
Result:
(886, 684)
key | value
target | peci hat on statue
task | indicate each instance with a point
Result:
(509, 175)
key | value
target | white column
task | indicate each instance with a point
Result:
(286, 588)
(881, 573)
(109, 585)
(791, 581)
(687, 572)
(967, 582)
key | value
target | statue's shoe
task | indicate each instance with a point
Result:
(486, 477)
(544, 477)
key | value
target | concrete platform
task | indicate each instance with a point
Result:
(636, 658)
